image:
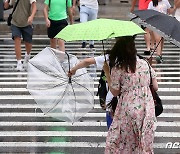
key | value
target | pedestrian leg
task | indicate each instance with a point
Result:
(17, 41)
(61, 45)
(28, 47)
(53, 43)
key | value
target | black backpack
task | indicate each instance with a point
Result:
(102, 92)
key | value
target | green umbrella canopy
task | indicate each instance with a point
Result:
(99, 29)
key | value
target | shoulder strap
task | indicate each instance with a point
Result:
(15, 7)
(49, 3)
(149, 72)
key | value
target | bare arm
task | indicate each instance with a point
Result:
(106, 69)
(133, 3)
(177, 3)
(70, 14)
(45, 12)
(33, 12)
(171, 10)
(155, 84)
(84, 63)
(74, 7)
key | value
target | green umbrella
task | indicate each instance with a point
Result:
(99, 29)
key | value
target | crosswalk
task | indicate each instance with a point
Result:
(25, 129)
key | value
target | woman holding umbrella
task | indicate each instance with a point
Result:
(133, 126)
(99, 62)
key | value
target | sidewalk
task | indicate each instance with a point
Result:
(115, 9)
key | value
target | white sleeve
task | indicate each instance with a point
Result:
(150, 6)
(168, 4)
(100, 61)
(31, 1)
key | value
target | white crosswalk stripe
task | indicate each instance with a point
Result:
(25, 129)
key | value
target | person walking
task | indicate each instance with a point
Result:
(133, 126)
(177, 9)
(162, 6)
(143, 5)
(88, 12)
(55, 14)
(99, 62)
(21, 25)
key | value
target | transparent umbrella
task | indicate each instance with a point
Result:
(59, 96)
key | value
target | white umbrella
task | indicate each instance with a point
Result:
(59, 96)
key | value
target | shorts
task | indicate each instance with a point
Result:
(56, 27)
(25, 32)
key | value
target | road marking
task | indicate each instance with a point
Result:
(65, 144)
(35, 106)
(77, 124)
(87, 115)
(75, 133)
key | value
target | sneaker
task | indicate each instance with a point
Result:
(19, 67)
(159, 59)
(25, 61)
(91, 46)
(83, 45)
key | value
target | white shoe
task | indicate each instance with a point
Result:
(19, 67)
(25, 61)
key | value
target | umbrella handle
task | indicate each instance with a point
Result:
(156, 46)
(104, 51)
(133, 18)
(70, 81)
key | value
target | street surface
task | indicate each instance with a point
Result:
(25, 129)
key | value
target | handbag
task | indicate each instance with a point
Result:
(10, 15)
(157, 100)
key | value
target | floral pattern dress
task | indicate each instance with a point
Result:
(133, 126)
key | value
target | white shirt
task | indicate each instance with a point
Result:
(162, 6)
(93, 4)
(100, 61)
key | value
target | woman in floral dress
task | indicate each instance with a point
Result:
(133, 126)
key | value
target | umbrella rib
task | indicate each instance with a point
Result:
(82, 86)
(57, 102)
(58, 60)
(45, 72)
(61, 84)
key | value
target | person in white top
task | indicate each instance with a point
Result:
(99, 62)
(88, 12)
(162, 6)
(177, 9)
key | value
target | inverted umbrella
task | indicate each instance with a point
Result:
(59, 96)
(99, 29)
(166, 26)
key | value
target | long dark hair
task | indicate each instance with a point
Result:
(155, 3)
(123, 54)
